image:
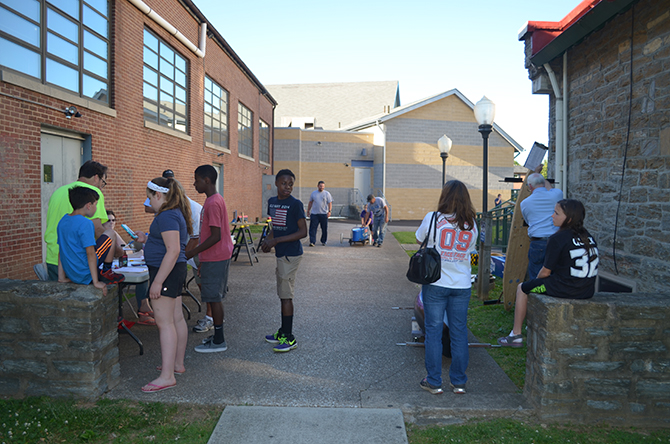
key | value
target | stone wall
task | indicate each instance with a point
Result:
(599, 140)
(605, 359)
(57, 340)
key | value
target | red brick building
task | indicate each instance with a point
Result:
(156, 87)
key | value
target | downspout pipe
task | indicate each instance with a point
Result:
(383, 161)
(564, 178)
(199, 51)
(559, 167)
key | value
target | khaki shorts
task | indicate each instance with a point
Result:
(287, 267)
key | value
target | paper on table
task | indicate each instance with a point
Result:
(131, 270)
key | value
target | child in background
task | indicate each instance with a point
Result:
(288, 227)
(78, 260)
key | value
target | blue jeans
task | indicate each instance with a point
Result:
(536, 252)
(378, 229)
(455, 301)
(314, 221)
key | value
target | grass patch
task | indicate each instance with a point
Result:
(488, 323)
(501, 431)
(256, 228)
(47, 420)
(405, 237)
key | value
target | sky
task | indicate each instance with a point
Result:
(428, 46)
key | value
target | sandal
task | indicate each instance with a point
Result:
(153, 388)
(145, 319)
(515, 341)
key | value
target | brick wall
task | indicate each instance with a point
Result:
(598, 103)
(133, 152)
(604, 359)
(57, 340)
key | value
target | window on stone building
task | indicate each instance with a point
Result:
(165, 85)
(264, 142)
(60, 42)
(245, 132)
(216, 113)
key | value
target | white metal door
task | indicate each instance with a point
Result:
(362, 181)
(60, 162)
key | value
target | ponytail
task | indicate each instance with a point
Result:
(174, 198)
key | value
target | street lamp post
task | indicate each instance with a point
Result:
(485, 111)
(444, 145)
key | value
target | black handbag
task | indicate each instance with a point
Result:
(425, 267)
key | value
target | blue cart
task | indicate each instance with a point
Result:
(358, 235)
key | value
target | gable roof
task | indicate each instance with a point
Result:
(334, 105)
(397, 112)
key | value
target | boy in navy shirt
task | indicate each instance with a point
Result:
(77, 258)
(288, 227)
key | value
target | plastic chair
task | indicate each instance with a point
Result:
(41, 271)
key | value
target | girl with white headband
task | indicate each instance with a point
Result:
(165, 257)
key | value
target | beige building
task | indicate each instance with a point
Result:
(394, 154)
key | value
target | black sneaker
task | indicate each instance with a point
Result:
(434, 389)
(109, 277)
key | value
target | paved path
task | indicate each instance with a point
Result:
(347, 332)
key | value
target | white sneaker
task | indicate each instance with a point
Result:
(203, 325)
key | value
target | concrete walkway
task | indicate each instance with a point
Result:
(347, 357)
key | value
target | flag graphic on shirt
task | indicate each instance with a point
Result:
(279, 219)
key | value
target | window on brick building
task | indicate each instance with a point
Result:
(245, 131)
(264, 142)
(61, 42)
(216, 113)
(165, 85)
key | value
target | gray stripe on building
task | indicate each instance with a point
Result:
(286, 150)
(328, 152)
(426, 176)
(341, 196)
(429, 131)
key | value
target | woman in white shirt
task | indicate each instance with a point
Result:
(456, 235)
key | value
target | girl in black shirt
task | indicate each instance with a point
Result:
(570, 266)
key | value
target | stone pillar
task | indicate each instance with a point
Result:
(57, 340)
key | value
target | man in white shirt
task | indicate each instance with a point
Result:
(318, 210)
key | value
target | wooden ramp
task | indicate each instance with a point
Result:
(516, 260)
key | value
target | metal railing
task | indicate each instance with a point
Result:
(501, 224)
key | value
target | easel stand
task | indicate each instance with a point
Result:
(243, 239)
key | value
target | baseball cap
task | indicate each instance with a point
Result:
(168, 173)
